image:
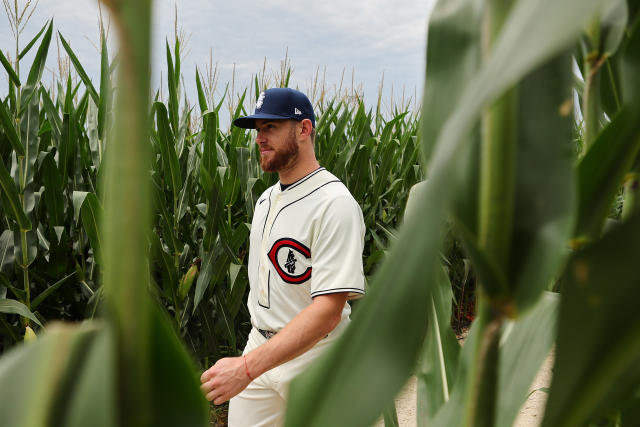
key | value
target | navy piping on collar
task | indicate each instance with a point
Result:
(303, 179)
(297, 200)
(268, 210)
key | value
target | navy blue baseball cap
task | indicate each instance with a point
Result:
(279, 104)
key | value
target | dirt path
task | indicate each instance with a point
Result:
(530, 413)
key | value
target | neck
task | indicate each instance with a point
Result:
(297, 171)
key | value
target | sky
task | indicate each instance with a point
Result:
(356, 40)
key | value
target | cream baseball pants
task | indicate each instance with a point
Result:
(263, 402)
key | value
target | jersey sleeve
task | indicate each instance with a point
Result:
(337, 250)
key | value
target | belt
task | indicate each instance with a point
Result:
(270, 334)
(266, 334)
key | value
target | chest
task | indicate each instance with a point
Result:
(283, 232)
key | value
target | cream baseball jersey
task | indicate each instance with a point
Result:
(305, 241)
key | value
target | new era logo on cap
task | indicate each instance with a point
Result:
(276, 104)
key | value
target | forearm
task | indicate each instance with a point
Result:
(298, 336)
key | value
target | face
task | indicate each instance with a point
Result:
(277, 142)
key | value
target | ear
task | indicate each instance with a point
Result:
(306, 129)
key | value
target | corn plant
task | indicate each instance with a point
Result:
(205, 184)
(129, 369)
(499, 155)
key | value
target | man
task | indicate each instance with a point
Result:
(305, 262)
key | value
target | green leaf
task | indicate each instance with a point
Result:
(598, 345)
(35, 73)
(7, 66)
(630, 66)
(10, 306)
(209, 149)
(524, 346)
(29, 125)
(51, 289)
(209, 261)
(53, 190)
(202, 99)
(91, 212)
(173, 80)
(10, 193)
(33, 41)
(79, 69)
(57, 366)
(170, 161)
(104, 106)
(6, 244)
(602, 169)
(51, 113)
(437, 367)
(77, 198)
(322, 396)
(176, 396)
(390, 416)
(10, 130)
(545, 193)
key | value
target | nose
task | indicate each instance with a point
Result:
(260, 138)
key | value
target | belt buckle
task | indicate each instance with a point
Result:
(266, 334)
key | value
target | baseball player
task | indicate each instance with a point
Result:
(305, 262)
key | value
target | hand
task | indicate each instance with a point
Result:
(224, 380)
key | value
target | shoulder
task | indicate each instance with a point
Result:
(337, 199)
(265, 194)
(334, 189)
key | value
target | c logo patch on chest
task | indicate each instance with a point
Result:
(291, 260)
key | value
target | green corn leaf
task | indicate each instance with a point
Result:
(209, 149)
(390, 416)
(77, 198)
(29, 126)
(523, 45)
(437, 366)
(10, 306)
(79, 69)
(10, 130)
(51, 113)
(172, 369)
(13, 206)
(91, 213)
(206, 274)
(33, 41)
(50, 290)
(66, 149)
(226, 322)
(6, 247)
(170, 161)
(72, 369)
(172, 84)
(202, 99)
(104, 105)
(545, 193)
(630, 66)
(524, 346)
(167, 267)
(598, 346)
(602, 169)
(35, 73)
(53, 190)
(7, 66)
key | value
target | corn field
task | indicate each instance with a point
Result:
(132, 212)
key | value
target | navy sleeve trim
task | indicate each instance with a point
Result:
(337, 290)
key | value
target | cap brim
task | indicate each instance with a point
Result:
(249, 122)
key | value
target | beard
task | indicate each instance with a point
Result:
(282, 158)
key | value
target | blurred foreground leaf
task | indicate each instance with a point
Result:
(598, 348)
